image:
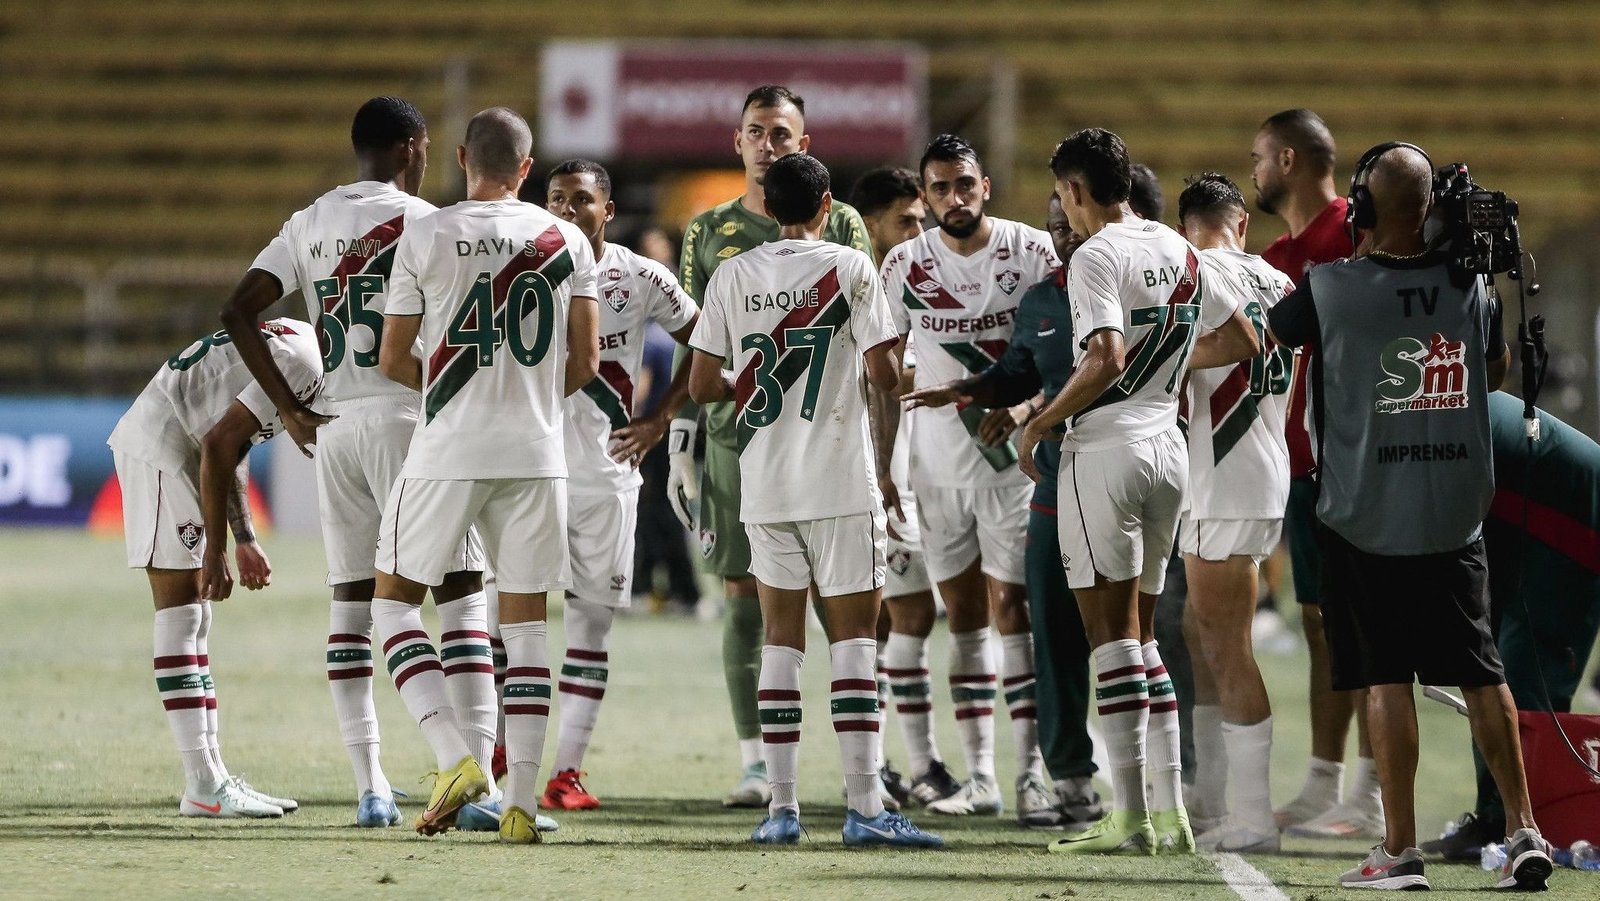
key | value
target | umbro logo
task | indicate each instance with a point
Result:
(784, 252)
(926, 288)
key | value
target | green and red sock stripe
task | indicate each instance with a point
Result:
(408, 653)
(1121, 690)
(1163, 695)
(854, 705)
(466, 651)
(972, 695)
(912, 690)
(349, 656)
(203, 661)
(584, 673)
(1020, 696)
(527, 691)
(497, 649)
(780, 715)
(179, 683)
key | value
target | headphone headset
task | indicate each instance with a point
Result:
(1361, 212)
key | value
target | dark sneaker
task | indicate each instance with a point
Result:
(1380, 871)
(1081, 806)
(1465, 842)
(1527, 867)
(894, 783)
(934, 785)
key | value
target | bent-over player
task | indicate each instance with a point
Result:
(179, 453)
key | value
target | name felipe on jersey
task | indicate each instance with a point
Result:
(495, 247)
(936, 323)
(782, 300)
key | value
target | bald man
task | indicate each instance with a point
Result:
(502, 295)
(1406, 356)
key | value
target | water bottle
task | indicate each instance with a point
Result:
(1585, 856)
(1492, 857)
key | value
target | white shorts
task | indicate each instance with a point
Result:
(600, 530)
(1219, 539)
(1118, 511)
(161, 519)
(960, 524)
(522, 523)
(907, 570)
(841, 554)
(358, 458)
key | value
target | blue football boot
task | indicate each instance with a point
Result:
(376, 811)
(780, 829)
(886, 829)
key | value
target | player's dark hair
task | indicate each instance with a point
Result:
(383, 122)
(602, 178)
(1100, 159)
(498, 140)
(879, 189)
(1144, 192)
(1210, 195)
(1306, 133)
(794, 187)
(771, 95)
(949, 148)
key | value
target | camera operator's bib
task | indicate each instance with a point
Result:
(1402, 413)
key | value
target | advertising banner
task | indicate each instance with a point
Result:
(680, 101)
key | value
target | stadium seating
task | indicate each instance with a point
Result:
(168, 128)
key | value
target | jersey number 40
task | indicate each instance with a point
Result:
(484, 323)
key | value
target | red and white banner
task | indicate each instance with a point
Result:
(682, 100)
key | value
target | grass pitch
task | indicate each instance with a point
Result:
(89, 781)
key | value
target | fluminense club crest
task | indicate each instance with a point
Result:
(190, 533)
(616, 297)
(708, 542)
(1008, 280)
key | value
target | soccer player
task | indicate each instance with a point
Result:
(1232, 519)
(955, 291)
(179, 453)
(1137, 296)
(605, 440)
(1292, 169)
(800, 319)
(772, 124)
(338, 253)
(890, 202)
(503, 296)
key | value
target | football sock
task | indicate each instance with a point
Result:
(883, 694)
(1209, 793)
(497, 648)
(972, 693)
(1249, 750)
(1123, 700)
(905, 659)
(583, 679)
(419, 677)
(1165, 769)
(183, 694)
(1017, 680)
(779, 697)
(468, 661)
(527, 702)
(1363, 792)
(854, 703)
(350, 681)
(202, 656)
(749, 752)
(742, 635)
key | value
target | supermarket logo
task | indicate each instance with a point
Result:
(1422, 377)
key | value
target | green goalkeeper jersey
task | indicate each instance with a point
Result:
(722, 233)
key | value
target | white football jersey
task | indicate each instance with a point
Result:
(961, 311)
(198, 384)
(795, 317)
(493, 281)
(1144, 280)
(633, 291)
(1238, 458)
(337, 253)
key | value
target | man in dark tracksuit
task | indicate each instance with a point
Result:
(1040, 356)
(1544, 582)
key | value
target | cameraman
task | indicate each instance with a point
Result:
(1404, 363)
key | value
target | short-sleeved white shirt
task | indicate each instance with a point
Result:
(795, 317)
(634, 290)
(1144, 280)
(1238, 457)
(190, 394)
(961, 311)
(491, 381)
(338, 253)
